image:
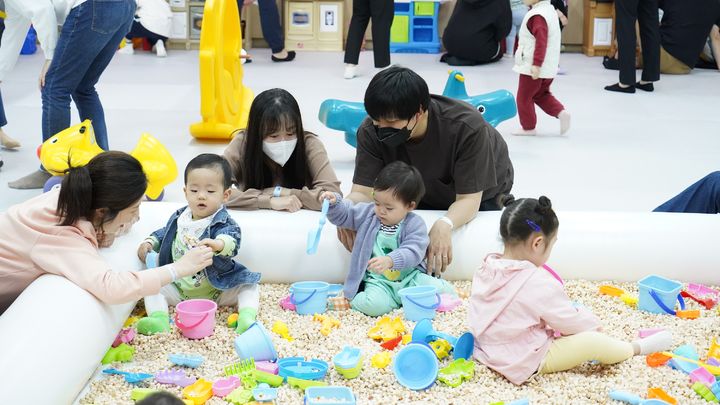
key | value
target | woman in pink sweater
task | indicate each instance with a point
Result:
(60, 233)
(522, 320)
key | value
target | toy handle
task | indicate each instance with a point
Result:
(114, 371)
(324, 211)
(184, 327)
(623, 396)
(151, 260)
(655, 298)
(292, 298)
(434, 306)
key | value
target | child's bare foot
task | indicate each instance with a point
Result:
(524, 132)
(564, 118)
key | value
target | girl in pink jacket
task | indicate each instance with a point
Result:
(518, 308)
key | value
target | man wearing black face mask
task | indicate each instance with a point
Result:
(464, 161)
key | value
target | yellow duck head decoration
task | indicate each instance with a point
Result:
(77, 146)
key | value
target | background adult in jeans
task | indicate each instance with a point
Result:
(271, 29)
(703, 197)
(89, 38)
(20, 14)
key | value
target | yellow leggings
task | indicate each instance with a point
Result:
(571, 351)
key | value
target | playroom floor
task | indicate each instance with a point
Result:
(588, 384)
(623, 152)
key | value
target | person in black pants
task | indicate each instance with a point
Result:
(645, 12)
(475, 30)
(271, 28)
(382, 13)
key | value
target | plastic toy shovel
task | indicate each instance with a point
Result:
(313, 239)
(132, 378)
(633, 399)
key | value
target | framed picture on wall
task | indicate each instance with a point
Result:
(329, 18)
(196, 17)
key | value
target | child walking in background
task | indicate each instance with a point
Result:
(536, 60)
(382, 13)
(204, 221)
(517, 307)
(153, 20)
(390, 244)
(519, 9)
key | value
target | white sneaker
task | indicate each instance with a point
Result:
(127, 49)
(160, 49)
(350, 71)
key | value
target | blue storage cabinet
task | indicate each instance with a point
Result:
(421, 19)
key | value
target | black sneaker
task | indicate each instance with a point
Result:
(290, 56)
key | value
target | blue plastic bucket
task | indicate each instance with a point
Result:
(309, 297)
(416, 366)
(255, 343)
(658, 295)
(419, 302)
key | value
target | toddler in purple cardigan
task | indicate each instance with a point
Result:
(390, 244)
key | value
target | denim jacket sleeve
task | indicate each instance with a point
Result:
(413, 243)
(159, 235)
(231, 229)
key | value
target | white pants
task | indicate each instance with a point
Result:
(245, 295)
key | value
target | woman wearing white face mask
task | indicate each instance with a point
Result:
(275, 163)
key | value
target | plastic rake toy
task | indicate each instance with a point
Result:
(132, 378)
(245, 370)
(174, 377)
(314, 234)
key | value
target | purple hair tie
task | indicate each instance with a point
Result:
(535, 227)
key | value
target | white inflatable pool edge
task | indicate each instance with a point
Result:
(56, 333)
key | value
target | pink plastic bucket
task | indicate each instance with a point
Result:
(196, 318)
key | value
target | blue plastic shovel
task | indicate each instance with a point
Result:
(132, 378)
(313, 239)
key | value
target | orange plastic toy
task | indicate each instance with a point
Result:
(387, 329)
(392, 343)
(611, 290)
(199, 392)
(688, 314)
(656, 359)
(660, 393)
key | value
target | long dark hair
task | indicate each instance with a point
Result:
(273, 110)
(111, 180)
